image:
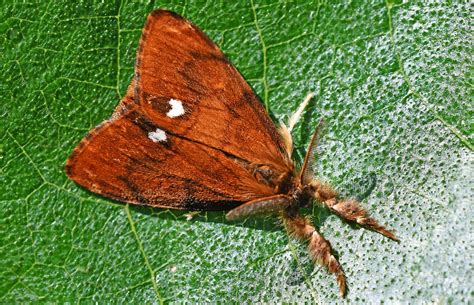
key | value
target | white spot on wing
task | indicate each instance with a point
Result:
(176, 108)
(157, 136)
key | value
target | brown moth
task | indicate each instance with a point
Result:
(191, 134)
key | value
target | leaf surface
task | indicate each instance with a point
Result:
(392, 80)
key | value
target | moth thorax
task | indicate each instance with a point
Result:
(286, 183)
(302, 196)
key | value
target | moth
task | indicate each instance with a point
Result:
(190, 134)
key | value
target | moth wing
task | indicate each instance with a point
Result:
(131, 159)
(177, 63)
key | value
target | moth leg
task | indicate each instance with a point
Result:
(319, 248)
(349, 210)
(296, 116)
(285, 131)
(266, 205)
(191, 215)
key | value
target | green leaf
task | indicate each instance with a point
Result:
(392, 80)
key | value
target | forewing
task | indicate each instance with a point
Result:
(177, 62)
(131, 159)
